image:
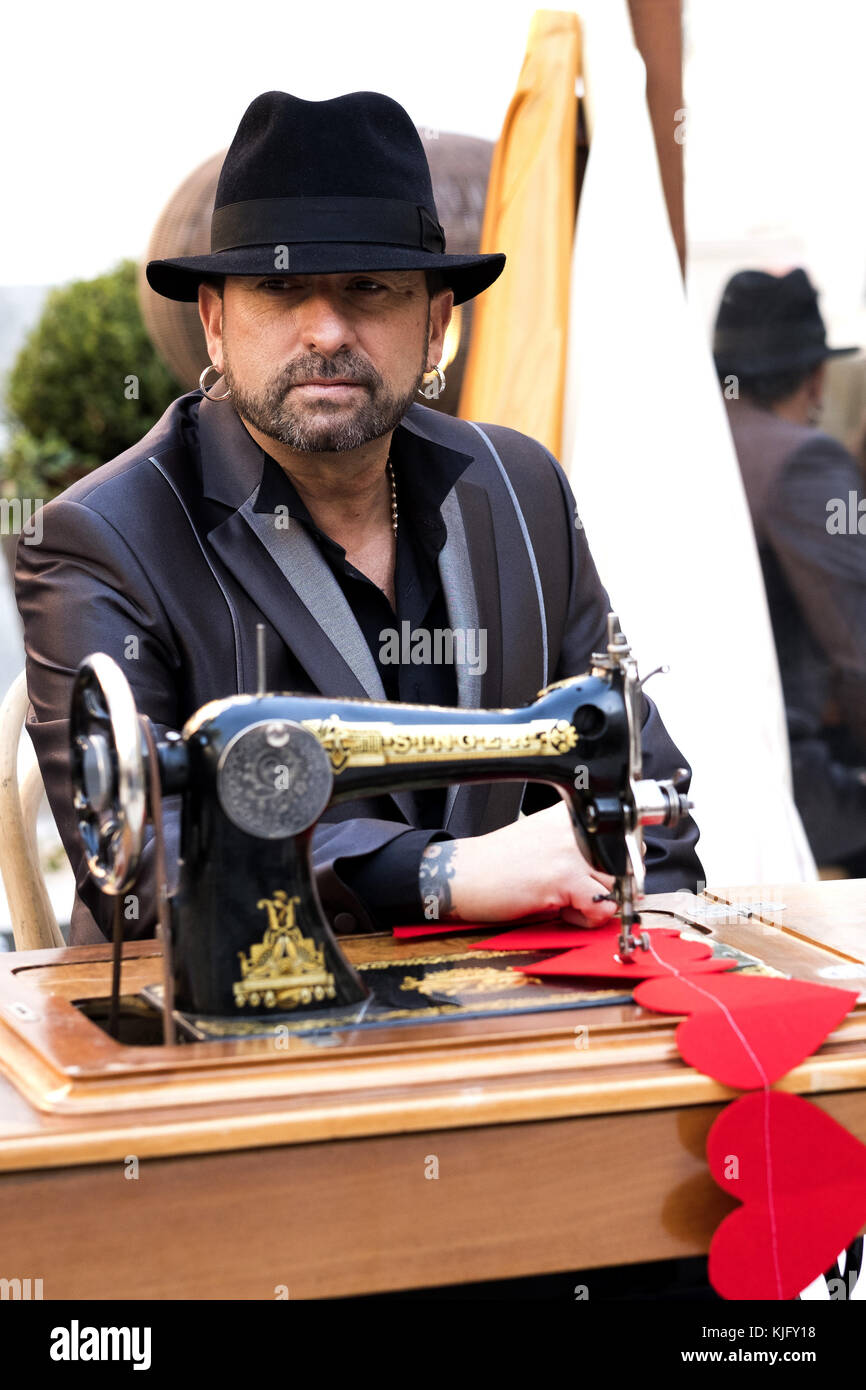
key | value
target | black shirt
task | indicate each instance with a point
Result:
(386, 880)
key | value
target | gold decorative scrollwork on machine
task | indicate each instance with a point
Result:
(376, 744)
(285, 968)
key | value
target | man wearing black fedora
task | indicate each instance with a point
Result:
(305, 487)
(770, 350)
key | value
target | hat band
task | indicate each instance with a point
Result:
(275, 221)
(782, 339)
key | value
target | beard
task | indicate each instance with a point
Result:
(300, 425)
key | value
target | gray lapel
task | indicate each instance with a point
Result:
(458, 587)
(299, 558)
(476, 575)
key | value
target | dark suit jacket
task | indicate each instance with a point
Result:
(815, 580)
(160, 559)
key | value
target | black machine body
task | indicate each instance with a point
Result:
(257, 772)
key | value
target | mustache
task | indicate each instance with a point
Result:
(312, 368)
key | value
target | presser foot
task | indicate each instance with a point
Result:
(631, 937)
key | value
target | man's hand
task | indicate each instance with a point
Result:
(531, 868)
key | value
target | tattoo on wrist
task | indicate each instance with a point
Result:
(436, 871)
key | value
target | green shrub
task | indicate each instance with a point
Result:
(86, 384)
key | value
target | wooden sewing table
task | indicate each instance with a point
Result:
(561, 1140)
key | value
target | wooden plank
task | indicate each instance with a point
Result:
(337, 1219)
(361, 1216)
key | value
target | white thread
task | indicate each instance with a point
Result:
(771, 1209)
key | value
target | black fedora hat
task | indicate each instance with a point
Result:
(318, 187)
(770, 323)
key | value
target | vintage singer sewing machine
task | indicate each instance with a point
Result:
(247, 932)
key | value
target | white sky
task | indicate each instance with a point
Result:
(107, 107)
(774, 149)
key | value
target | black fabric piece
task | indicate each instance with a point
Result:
(854, 1262)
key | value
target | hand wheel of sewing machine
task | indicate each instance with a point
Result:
(108, 772)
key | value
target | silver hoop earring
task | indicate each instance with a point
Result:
(433, 389)
(211, 368)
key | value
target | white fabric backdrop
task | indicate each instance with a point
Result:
(649, 455)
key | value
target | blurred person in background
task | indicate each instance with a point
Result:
(804, 492)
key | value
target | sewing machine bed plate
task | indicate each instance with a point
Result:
(428, 985)
(462, 984)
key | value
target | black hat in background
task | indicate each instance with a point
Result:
(343, 185)
(770, 323)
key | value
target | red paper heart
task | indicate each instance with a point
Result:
(746, 1030)
(407, 933)
(549, 938)
(802, 1180)
(599, 958)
